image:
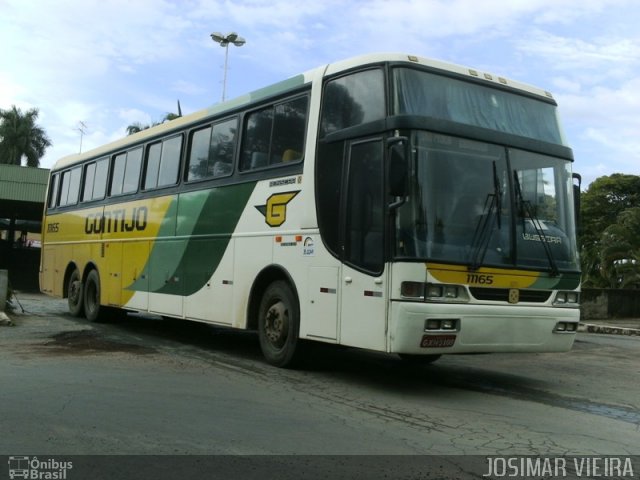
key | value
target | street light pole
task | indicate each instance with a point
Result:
(224, 41)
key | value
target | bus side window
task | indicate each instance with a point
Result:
(100, 181)
(275, 134)
(222, 148)
(95, 180)
(53, 191)
(132, 171)
(257, 139)
(89, 176)
(170, 161)
(198, 154)
(289, 127)
(126, 172)
(163, 163)
(352, 100)
(119, 164)
(211, 150)
(152, 166)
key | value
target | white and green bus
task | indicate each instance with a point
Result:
(387, 202)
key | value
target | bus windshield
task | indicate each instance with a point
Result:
(481, 204)
(422, 93)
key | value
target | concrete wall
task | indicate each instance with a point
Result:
(610, 303)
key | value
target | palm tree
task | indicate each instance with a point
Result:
(138, 127)
(21, 137)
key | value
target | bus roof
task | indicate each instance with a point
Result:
(289, 84)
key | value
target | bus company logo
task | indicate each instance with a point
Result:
(119, 220)
(33, 468)
(275, 210)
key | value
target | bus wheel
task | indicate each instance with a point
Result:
(75, 294)
(419, 359)
(279, 324)
(92, 296)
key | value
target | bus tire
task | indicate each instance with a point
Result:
(75, 294)
(92, 296)
(279, 324)
(419, 359)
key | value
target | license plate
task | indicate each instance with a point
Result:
(437, 341)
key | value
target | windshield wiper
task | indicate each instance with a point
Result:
(524, 208)
(484, 228)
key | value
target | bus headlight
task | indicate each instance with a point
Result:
(569, 299)
(412, 290)
(433, 292)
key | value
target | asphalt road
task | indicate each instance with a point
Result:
(156, 387)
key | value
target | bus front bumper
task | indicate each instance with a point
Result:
(426, 328)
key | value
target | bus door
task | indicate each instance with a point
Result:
(363, 279)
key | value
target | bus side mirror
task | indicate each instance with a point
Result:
(576, 199)
(398, 168)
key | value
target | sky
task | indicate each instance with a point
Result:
(112, 63)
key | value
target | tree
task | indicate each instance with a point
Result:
(602, 204)
(620, 251)
(138, 127)
(20, 137)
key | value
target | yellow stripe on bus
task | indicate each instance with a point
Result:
(482, 277)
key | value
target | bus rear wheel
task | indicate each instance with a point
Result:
(75, 294)
(92, 296)
(279, 324)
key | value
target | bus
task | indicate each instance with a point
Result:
(387, 202)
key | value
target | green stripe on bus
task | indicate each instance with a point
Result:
(192, 239)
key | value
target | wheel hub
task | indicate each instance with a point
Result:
(276, 324)
(74, 291)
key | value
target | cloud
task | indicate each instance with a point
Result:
(570, 53)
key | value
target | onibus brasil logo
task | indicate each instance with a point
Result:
(33, 468)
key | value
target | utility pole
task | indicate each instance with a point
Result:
(82, 128)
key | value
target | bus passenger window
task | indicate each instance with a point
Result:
(257, 140)
(275, 135)
(119, 163)
(199, 154)
(126, 172)
(100, 181)
(89, 176)
(170, 161)
(132, 171)
(152, 166)
(211, 151)
(70, 187)
(95, 180)
(223, 142)
(53, 191)
(288, 130)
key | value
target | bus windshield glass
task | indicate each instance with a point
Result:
(481, 204)
(422, 93)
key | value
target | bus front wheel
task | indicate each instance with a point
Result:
(75, 294)
(92, 296)
(279, 324)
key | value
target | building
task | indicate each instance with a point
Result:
(22, 197)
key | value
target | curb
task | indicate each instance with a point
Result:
(592, 328)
